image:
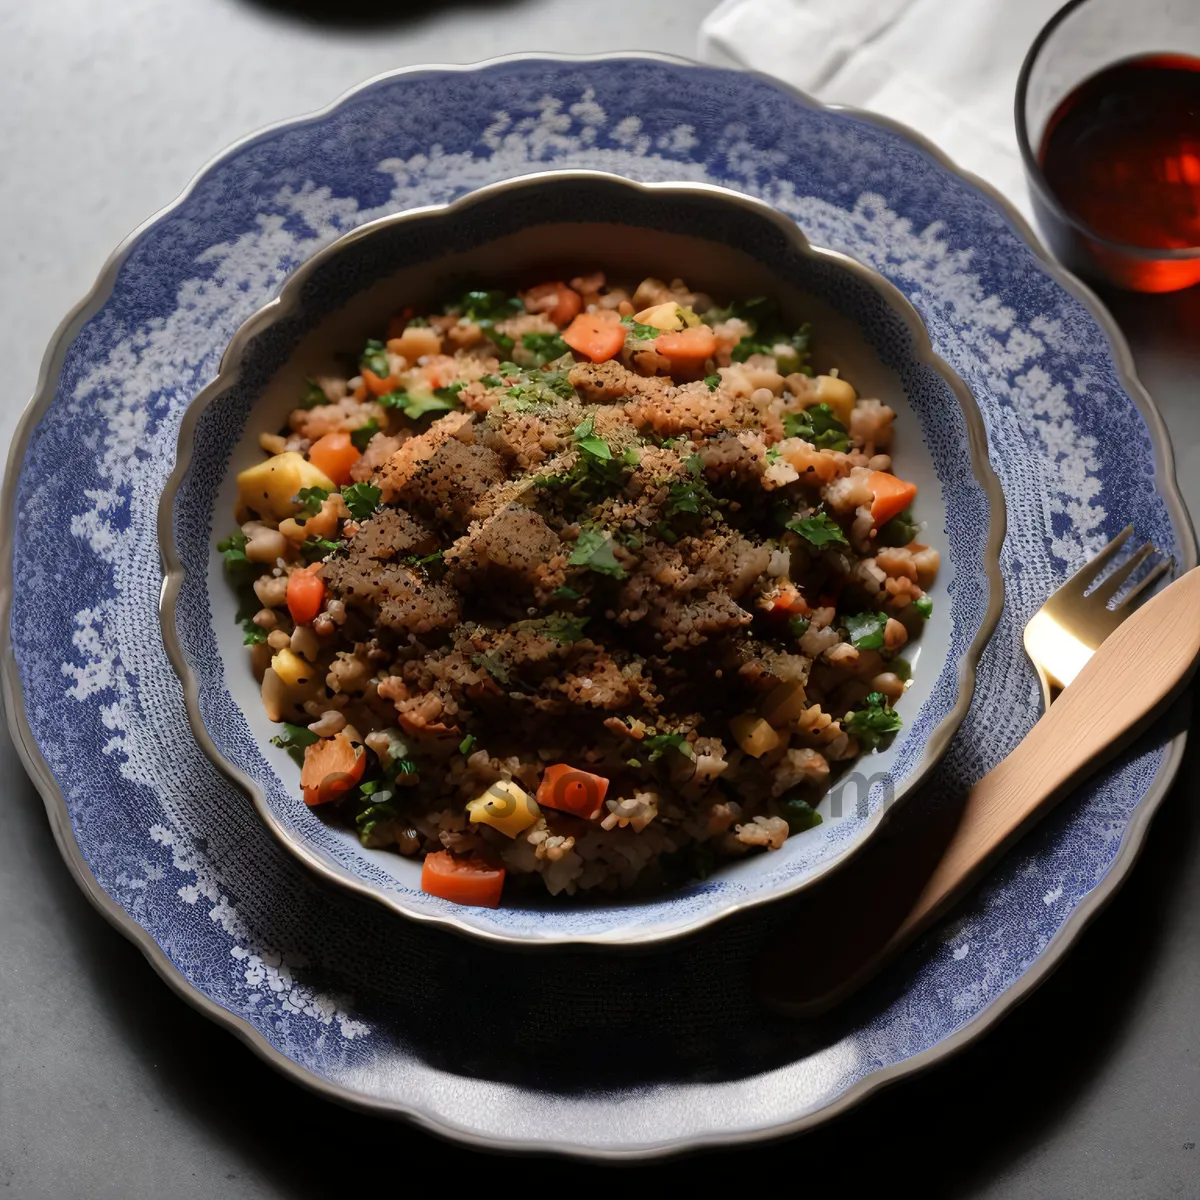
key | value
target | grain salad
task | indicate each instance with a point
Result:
(584, 586)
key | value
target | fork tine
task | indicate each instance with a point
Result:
(1086, 575)
(1107, 588)
(1152, 577)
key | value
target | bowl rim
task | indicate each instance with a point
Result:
(624, 935)
(440, 1125)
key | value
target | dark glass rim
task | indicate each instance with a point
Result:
(1033, 169)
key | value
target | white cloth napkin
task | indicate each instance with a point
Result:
(947, 68)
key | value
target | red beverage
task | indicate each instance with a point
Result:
(1122, 155)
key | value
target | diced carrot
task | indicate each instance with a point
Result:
(334, 454)
(787, 601)
(469, 881)
(568, 302)
(305, 594)
(332, 767)
(596, 335)
(571, 790)
(687, 350)
(892, 496)
(361, 392)
(377, 386)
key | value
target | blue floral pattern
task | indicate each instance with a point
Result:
(605, 1054)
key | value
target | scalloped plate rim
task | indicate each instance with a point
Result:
(56, 810)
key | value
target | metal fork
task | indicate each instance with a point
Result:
(1064, 633)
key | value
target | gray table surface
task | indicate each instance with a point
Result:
(112, 1087)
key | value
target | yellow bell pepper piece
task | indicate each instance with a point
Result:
(504, 806)
(270, 487)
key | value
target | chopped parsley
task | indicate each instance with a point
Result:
(241, 569)
(799, 815)
(310, 500)
(659, 743)
(899, 531)
(361, 437)
(798, 626)
(294, 739)
(426, 560)
(866, 630)
(873, 722)
(566, 593)
(713, 382)
(313, 395)
(467, 744)
(254, 635)
(924, 606)
(544, 347)
(485, 309)
(901, 668)
(768, 334)
(689, 495)
(492, 661)
(362, 499)
(640, 332)
(593, 549)
(586, 439)
(378, 809)
(773, 453)
(563, 628)
(487, 306)
(374, 359)
(314, 549)
(416, 406)
(490, 380)
(818, 530)
(819, 426)
(543, 389)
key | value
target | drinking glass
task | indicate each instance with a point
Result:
(1159, 182)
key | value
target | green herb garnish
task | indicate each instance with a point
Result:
(659, 743)
(485, 309)
(417, 560)
(313, 395)
(544, 347)
(799, 815)
(254, 635)
(374, 359)
(798, 626)
(294, 739)
(416, 406)
(361, 437)
(640, 332)
(593, 549)
(899, 531)
(586, 439)
(819, 426)
(873, 722)
(866, 629)
(819, 530)
(362, 499)
(241, 570)
(314, 549)
(566, 593)
(310, 500)
(713, 382)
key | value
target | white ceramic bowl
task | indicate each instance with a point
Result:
(720, 241)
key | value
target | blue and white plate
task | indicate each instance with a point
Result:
(580, 1052)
